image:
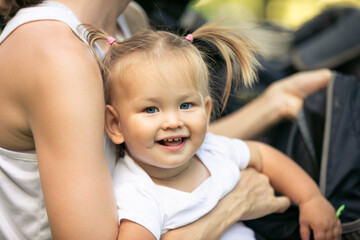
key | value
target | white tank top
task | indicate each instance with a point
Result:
(22, 209)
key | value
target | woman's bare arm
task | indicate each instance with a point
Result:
(65, 110)
(252, 198)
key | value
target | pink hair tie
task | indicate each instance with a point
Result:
(110, 40)
(189, 37)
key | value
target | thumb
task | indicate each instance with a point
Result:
(313, 81)
(281, 204)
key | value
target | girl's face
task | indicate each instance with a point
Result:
(161, 116)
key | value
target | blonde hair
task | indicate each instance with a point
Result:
(238, 52)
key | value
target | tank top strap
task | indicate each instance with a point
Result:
(49, 10)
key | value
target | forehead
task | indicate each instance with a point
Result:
(162, 85)
(167, 70)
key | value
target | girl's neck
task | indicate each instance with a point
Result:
(101, 13)
(186, 177)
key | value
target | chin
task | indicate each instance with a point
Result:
(172, 164)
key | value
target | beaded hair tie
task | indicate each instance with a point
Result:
(110, 40)
(190, 38)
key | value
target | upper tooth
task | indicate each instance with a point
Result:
(173, 139)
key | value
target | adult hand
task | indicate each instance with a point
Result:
(289, 93)
(252, 198)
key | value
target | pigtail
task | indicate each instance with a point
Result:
(238, 52)
(94, 34)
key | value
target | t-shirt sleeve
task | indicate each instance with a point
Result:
(138, 205)
(236, 149)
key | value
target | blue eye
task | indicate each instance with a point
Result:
(151, 110)
(185, 106)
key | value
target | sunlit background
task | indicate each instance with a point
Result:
(286, 13)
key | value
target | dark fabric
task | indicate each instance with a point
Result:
(284, 226)
(166, 15)
(321, 22)
(351, 230)
(329, 40)
(2, 23)
(343, 169)
(297, 149)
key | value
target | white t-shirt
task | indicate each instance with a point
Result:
(160, 208)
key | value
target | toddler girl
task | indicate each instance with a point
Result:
(172, 171)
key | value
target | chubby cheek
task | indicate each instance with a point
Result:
(139, 134)
(198, 128)
(139, 140)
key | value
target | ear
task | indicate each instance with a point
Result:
(208, 106)
(112, 125)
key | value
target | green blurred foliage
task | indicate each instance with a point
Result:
(286, 13)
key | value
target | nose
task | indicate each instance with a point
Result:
(172, 120)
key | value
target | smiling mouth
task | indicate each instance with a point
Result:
(172, 141)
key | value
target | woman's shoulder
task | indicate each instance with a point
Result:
(49, 35)
(50, 45)
(51, 56)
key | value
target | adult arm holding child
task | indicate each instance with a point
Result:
(253, 197)
(316, 213)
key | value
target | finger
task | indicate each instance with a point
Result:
(267, 189)
(320, 234)
(340, 229)
(281, 204)
(334, 233)
(330, 234)
(311, 82)
(304, 232)
(337, 230)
